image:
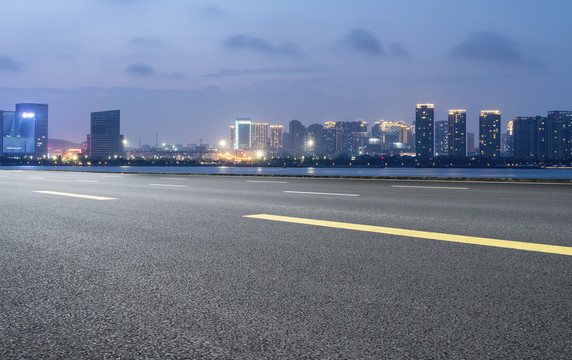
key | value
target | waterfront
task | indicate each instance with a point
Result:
(496, 173)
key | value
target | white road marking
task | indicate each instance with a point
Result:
(271, 182)
(83, 196)
(83, 180)
(171, 185)
(431, 187)
(112, 176)
(37, 178)
(318, 193)
(172, 178)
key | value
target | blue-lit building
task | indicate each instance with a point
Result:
(25, 131)
(243, 133)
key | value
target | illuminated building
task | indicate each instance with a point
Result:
(105, 138)
(232, 139)
(330, 137)
(276, 136)
(259, 135)
(441, 138)
(489, 133)
(508, 140)
(424, 120)
(24, 132)
(243, 133)
(456, 133)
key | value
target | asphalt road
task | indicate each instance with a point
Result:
(170, 268)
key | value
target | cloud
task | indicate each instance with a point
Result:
(243, 42)
(211, 11)
(361, 41)
(490, 47)
(397, 50)
(292, 70)
(147, 42)
(8, 64)
(139, 70)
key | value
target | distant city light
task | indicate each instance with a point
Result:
(27, 115)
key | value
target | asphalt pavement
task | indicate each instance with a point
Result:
(133, 266)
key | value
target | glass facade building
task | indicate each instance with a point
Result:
(105, 137)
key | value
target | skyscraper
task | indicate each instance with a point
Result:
(276, 136)
(559, 135)
(457, 130)
(297, 135)
(441, 138)
(105, 137)
(38, 114)
(259, 135)
(424, 121)
(489, 133)
(526, 138)
(243, 136)
(232, 137)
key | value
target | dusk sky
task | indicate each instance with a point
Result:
(187, 69)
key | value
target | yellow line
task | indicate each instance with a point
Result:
(92, 197)
(518, 245)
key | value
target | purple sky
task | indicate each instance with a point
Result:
(185, 69)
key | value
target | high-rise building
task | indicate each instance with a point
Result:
(330, 137)
(441, 138)
(243, 133)
(508, 143)
(232, 137)
(457, 130)
(315, 138)
(276, 136)
(424, 121)
(30, 124)
(259, 135)
(489, 133)
(297, 135)
(526, 139)
(105, 137)
(559, 136)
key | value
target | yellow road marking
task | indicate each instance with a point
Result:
(517, 245)
(92, 197)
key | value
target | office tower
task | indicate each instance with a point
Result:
(470, 143)
(259, 135)
(18, 134)
(489, 133)
(441, 138)
(315, 138)
(105, 137)
(34, 116)
(457, 130)
(526, 137)
(558, 136)
(424, 120)
(330, 138)
(232, 137)
(297, 134)
(243, 133)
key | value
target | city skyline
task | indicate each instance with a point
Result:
(185, 70)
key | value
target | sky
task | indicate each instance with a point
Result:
(183, 70)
